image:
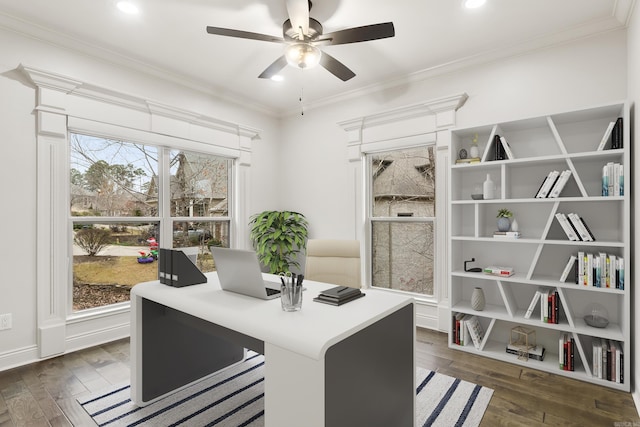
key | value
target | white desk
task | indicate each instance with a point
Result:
(351, 365)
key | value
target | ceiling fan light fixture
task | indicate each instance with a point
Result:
(303, 55)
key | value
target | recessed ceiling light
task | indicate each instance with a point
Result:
(472, 4)
(277, 78)
(128, 7)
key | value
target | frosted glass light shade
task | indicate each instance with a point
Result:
(303, 55)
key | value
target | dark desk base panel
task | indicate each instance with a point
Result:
(369, 376)
(178, 348)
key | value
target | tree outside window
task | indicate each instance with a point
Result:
(116, 213)
(402, 218)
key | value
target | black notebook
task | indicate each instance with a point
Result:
(339, 295)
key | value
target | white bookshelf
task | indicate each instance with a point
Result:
(560, 141)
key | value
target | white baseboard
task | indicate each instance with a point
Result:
(636, 400)
(20, 357)
(27, 355)
(93, 338)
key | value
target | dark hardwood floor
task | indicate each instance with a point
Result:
(44, 393)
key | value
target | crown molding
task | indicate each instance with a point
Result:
(70, 86)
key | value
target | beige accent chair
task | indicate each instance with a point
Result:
(333, 261)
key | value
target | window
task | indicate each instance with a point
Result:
(119, 210)
(199, 190)
(401, 215)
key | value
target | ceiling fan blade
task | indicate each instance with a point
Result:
(298, 11)
(360, 34)
(336, 67)
(274, 68)
(243, 34)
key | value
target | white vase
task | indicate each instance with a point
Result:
(514, 225)
(473, 152)
(488, 188)
(477, 299)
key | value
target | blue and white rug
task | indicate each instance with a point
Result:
(234, 398)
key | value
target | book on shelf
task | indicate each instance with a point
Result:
(601, 270)
(460, 330)
(476, 331)
(613, 179)
(500, 154)
(606, 137)
(499, 271)
(560, 183)
(532, 305)
(607, 361)
(617, 135)
(549, 306)
(547, 184)
(506, 234)
(535, 353)
(494, 150)
(571, 266)
(506, 147)
(469, 160)
(567, 227)
(620, 274)
(581, 227)
(566, 352)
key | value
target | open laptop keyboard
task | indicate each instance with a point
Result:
(271, 291)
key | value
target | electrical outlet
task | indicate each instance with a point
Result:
(5, 321)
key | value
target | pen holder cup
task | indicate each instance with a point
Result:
(291, 297)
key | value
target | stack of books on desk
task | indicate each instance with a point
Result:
(339, 295)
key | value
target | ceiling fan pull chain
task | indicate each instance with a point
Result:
(301, 105)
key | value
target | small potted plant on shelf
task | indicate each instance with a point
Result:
(504, 223)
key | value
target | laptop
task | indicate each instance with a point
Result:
(239, 271)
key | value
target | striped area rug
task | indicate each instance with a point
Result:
(234, 398)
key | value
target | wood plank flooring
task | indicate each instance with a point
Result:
(44, 393)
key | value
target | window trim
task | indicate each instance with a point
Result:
(64, 103)
(370, 219)
(430, 120)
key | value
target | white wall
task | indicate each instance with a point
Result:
(633, 58)
(18, 172)
(571, 76)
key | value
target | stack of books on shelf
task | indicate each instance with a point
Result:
(498, 271)
(613, 179)
(467, 329)
(339, 295)
(566, 352)
(468, 161)
(613, 133)
(608, 360)
(549, 302)
(460, 329)
(575, 227)
(506, 234)
(601, 270)
(536, 352)
(553, 184)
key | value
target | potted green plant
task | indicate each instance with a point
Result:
(278, 237)
(504, 223)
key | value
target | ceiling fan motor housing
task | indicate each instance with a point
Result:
(293, 34)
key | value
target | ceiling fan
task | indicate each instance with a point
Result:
(303, 34)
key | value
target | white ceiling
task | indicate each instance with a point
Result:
(168, 38)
